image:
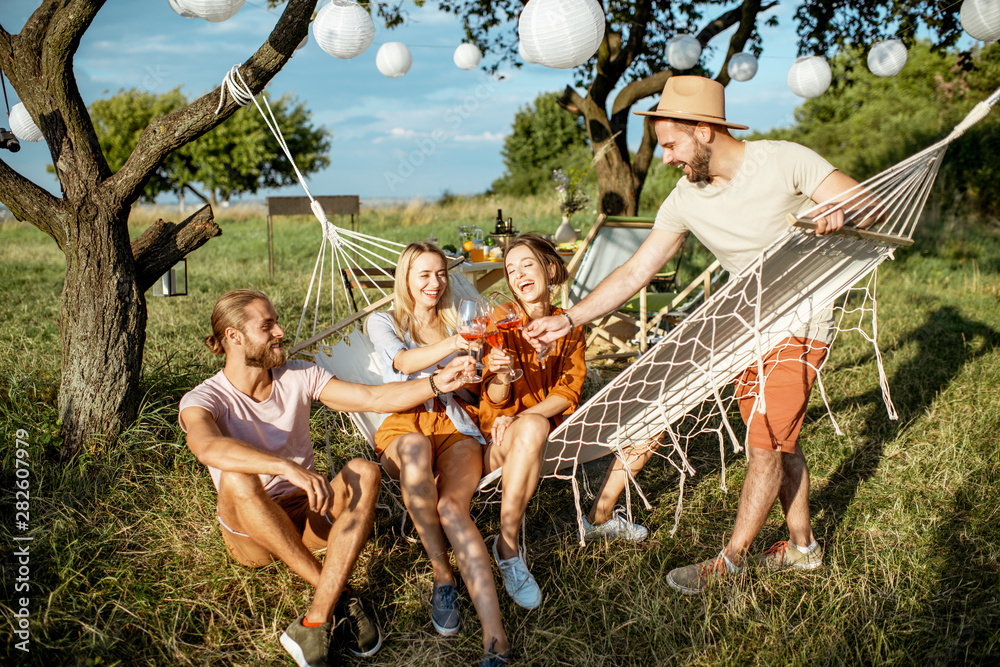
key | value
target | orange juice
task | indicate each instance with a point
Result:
(476, 254)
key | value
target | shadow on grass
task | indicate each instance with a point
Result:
(943, 349)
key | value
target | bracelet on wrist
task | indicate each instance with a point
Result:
(434, 388)
(569, 319)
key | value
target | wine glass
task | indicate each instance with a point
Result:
(506, 315)
(472, 322)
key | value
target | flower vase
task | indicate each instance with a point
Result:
(565, 233)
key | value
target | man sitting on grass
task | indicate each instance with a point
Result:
(250, 425)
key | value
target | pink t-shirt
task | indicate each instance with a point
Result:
(278, 425)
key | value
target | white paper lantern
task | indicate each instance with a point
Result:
(393, 59)
(22, 126)
(810, 76)
(467, 56)
(343, 29)
(211, 10)
(742, 67)
(683, 52)
(887, 58)
(981, 19)
(560, 33)
(524, 56)
(181, 11)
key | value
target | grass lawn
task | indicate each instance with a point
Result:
(127, 567)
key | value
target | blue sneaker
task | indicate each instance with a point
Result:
(444, 610)
(520, 585)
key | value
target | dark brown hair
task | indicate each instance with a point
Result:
(545, 253)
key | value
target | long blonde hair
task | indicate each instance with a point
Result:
(403, 302)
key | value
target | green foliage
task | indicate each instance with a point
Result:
(543, 138)
(660, 181)
(865, 123)
(239, 156)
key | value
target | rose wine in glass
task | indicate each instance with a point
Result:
(507, 316)
(472, 320)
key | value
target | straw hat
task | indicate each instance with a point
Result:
(693, 98)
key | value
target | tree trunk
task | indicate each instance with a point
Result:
(102, 322)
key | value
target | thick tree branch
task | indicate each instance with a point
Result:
(748, 22)
(637, 90)
(179, 127)
(643, 157)
(30, 202)
(164, 244)
(571, 101)
(612, 63)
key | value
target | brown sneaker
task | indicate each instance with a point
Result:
(787, 556)
(693, 579)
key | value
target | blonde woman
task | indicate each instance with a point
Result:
(436, 449)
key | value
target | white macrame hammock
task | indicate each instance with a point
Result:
(675, 392)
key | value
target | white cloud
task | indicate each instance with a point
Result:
(481, 138)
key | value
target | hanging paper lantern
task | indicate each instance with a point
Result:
(683, 52)
(887, 58)
(181, 11)
(343, 29)
(742, 67)
(211, 10)
(393, 59)
(22, 126)
(809, 76)
(524, 56)
(981, 19)
(560, 33)
(467, 56)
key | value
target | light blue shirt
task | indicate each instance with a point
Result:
(382, 332)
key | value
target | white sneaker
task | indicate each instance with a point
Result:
(517, 579)
(615, 528)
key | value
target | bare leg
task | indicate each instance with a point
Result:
(246, 508)
(794, 497)
(614, 483)
(410, 459)
(520, 454)
(460, 469)
(760, 489)
(355, 491)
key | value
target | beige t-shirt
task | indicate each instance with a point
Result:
(277, 425)
(738, 220)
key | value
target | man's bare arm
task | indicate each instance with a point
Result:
(393, 396)
(614, 290)
(206, 442)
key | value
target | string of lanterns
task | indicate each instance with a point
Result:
(563, 34)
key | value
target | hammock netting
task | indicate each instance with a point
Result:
(677, 391)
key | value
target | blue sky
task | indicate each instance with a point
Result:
(437, 128)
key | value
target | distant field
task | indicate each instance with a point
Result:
(127, 567)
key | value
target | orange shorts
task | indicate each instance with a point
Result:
(314, 529)
(789, 373)
(437, 426)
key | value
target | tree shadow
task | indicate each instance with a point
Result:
(946, 343)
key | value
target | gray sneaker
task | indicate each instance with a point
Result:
(444, 610)
(307, 646)
(694, 579)
(786, 556)
(618, 527)
(517, 580)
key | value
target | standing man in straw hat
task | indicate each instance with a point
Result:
(734, 197)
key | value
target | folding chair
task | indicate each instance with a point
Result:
(609, 244)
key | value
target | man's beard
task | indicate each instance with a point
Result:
(699, 163)
(262, 356)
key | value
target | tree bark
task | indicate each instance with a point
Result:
(102, 319)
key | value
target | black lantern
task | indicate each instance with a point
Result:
(173, 282)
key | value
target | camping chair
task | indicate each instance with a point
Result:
(609, 244)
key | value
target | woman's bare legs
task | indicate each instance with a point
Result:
(409, 459)
(520, 454)
(460, 467)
